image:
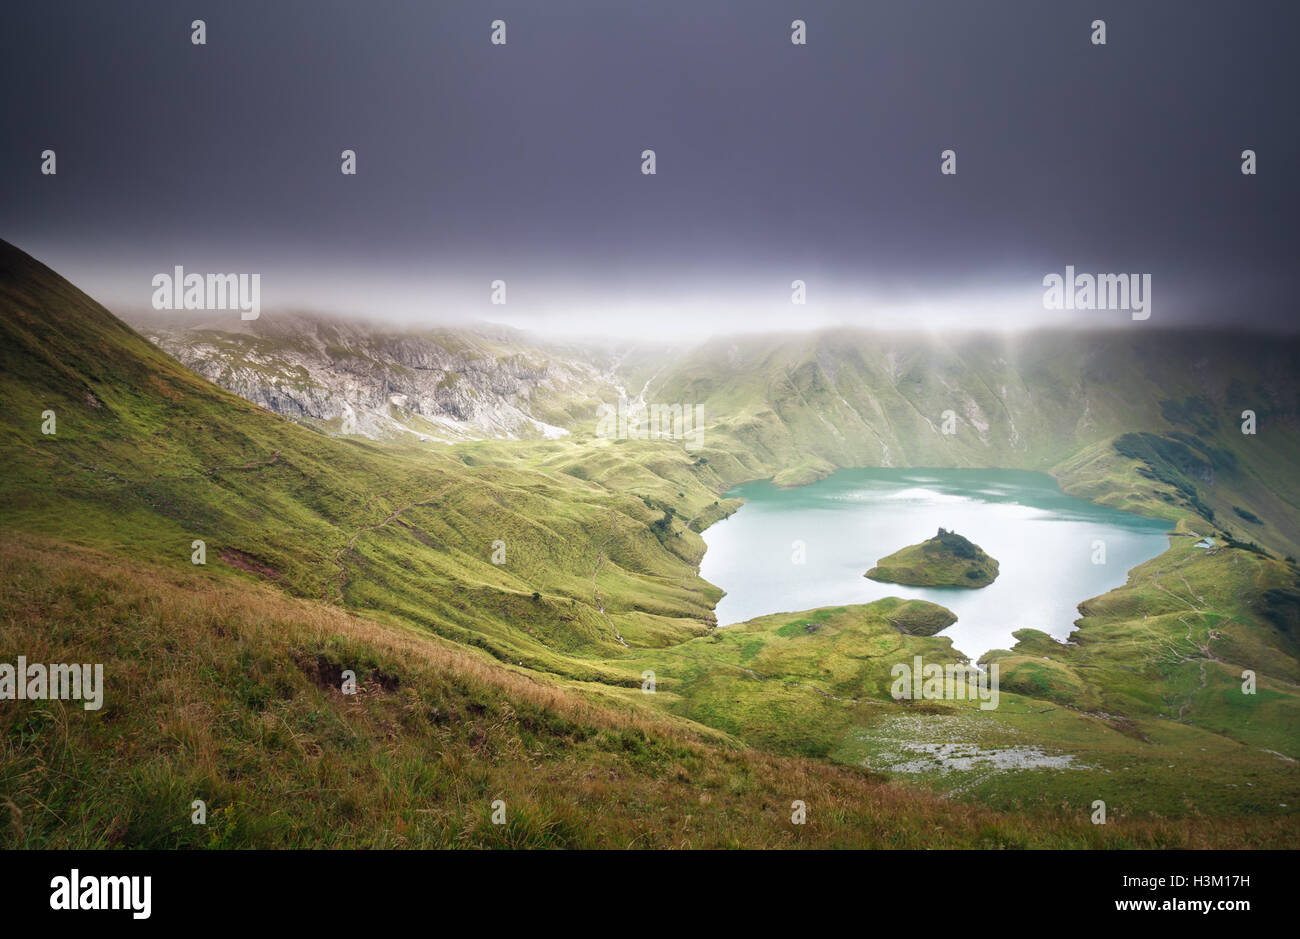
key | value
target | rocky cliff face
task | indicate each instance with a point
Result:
(442, 384)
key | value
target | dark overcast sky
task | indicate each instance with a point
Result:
(775, 162)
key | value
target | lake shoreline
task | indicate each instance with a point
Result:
(1036, 495)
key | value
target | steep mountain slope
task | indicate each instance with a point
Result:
(146, 458)
(377, 382)
(803, 404)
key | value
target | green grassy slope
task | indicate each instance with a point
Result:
(147, 458)
(1134, 713)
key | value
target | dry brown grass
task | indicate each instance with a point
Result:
(222, 690)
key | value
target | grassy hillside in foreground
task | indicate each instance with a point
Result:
(228, 693)
(946, 560)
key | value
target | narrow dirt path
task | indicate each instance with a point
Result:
(595, 590)
(252, 464)
(351, 544)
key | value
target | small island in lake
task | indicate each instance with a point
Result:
(946, 560)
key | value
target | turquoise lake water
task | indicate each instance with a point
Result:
(1044, 540)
